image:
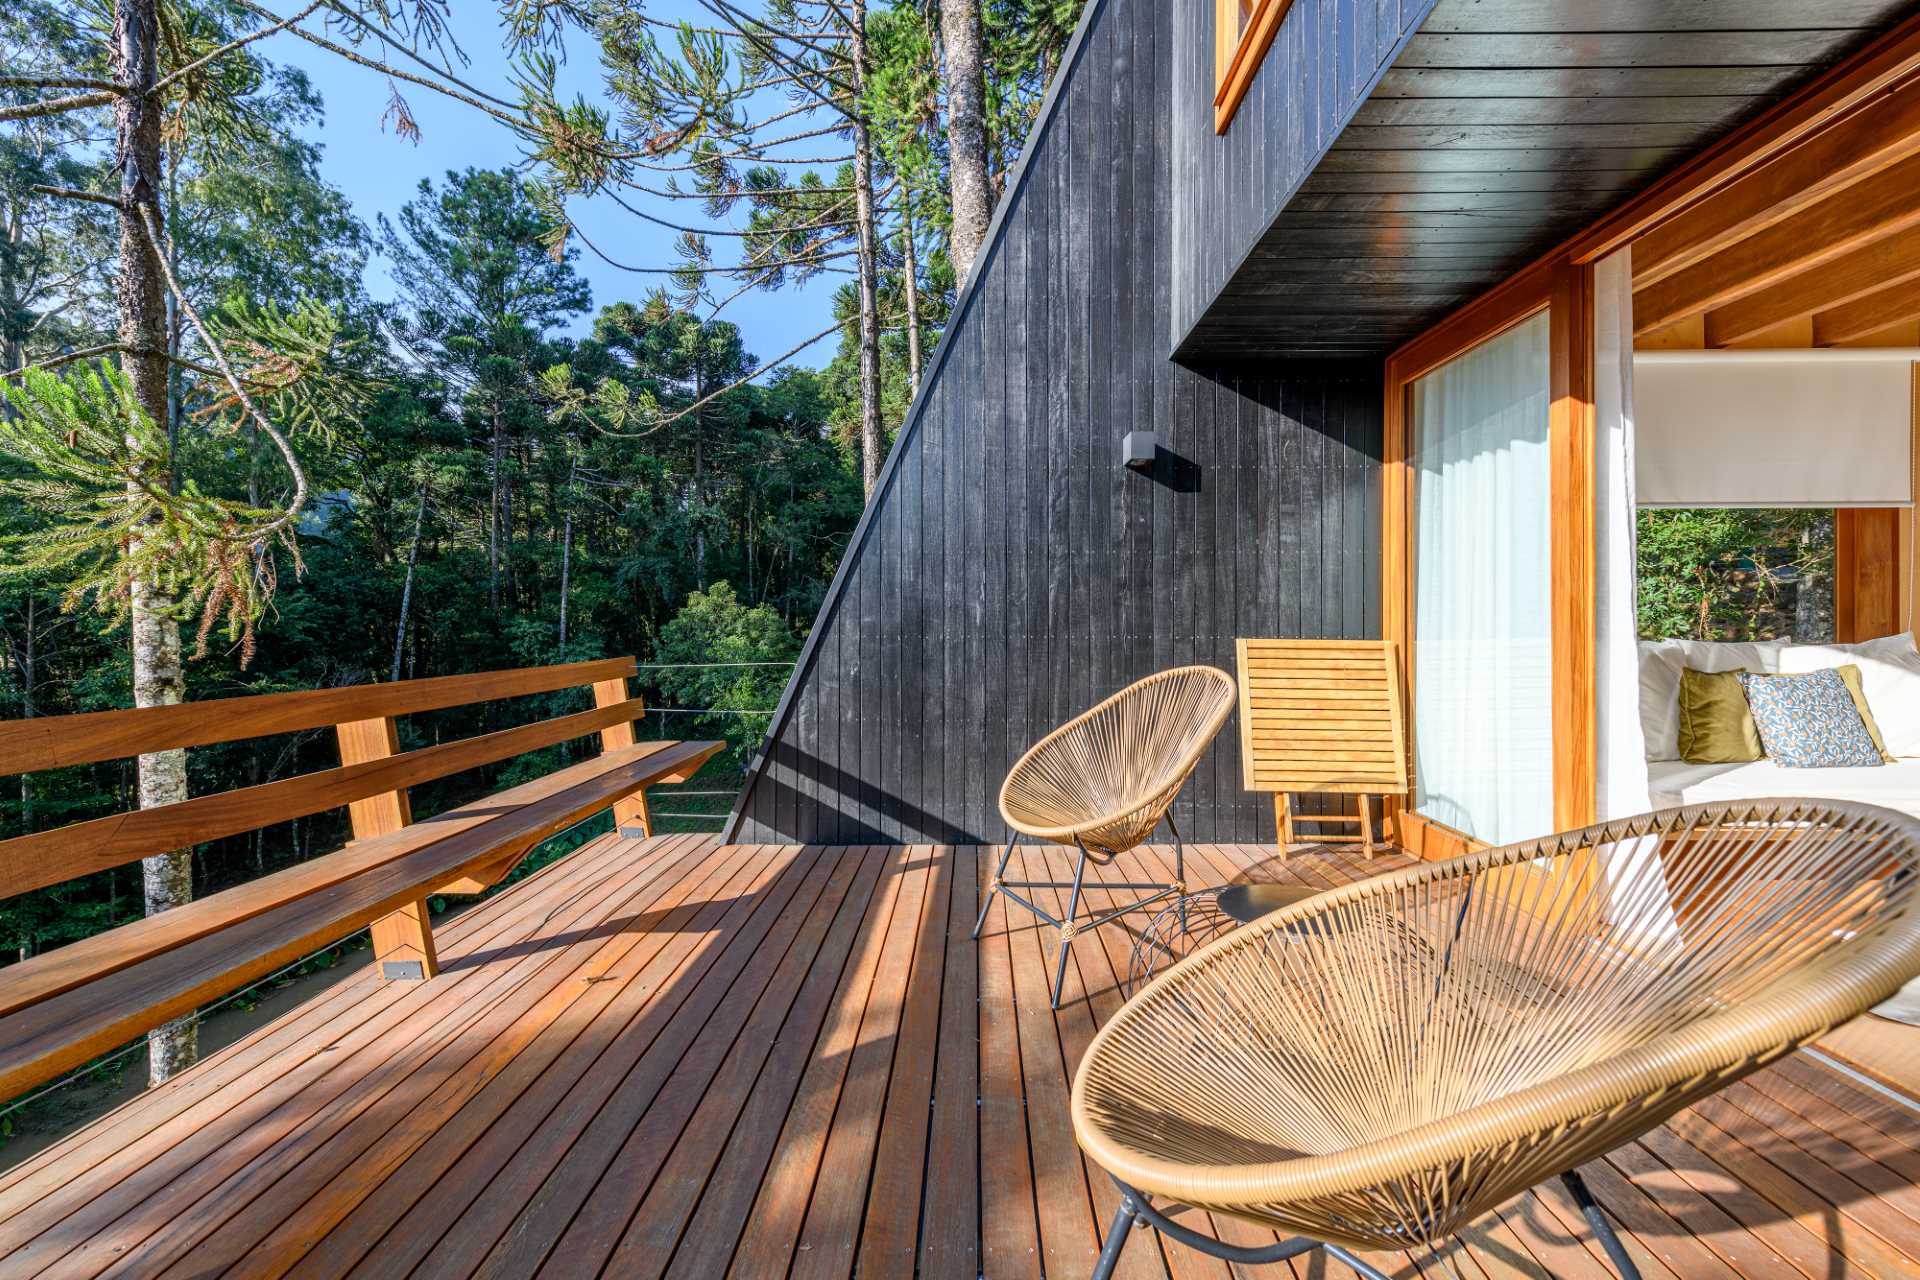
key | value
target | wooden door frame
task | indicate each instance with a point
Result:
(1564, 291)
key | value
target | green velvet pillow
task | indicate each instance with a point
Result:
(1715, 725)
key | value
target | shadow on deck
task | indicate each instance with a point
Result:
(672, 1057)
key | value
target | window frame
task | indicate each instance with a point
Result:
(1240, 49)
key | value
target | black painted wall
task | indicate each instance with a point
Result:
(1011, 572)
(1227, 190)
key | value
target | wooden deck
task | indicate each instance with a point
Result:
(677, 1058)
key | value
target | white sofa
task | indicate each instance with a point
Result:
(1890, 680)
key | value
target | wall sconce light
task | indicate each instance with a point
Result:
(1138, 450)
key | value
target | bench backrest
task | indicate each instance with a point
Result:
(372, 779)
(1321, 716)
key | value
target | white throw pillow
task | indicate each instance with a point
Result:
(1889, 678)
(1660, 665)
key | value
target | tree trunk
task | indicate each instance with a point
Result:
(493, 515)
(141, 298)
(871, 440)
(29, 662)
(406, 586)
(1813, 594)
(972, 198)
(912, 270)
(566, 552)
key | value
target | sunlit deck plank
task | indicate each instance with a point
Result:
(671, 1057)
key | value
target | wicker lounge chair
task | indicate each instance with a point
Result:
(1379, 1065)
(1104, 780)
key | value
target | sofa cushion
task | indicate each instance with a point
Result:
(1809, 721)
(1716, 726)
(1889, 677)
(1661, 662)
(1674, 782)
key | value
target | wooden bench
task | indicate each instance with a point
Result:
(1322, 716)
(63, 1007)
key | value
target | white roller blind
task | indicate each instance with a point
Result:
(1821, 428)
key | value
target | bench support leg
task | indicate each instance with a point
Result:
(403, 942)
(632, 810)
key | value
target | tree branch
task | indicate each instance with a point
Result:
(230, 46)
(703, 401)
(73, 193)
(56, 106)
(58, 82)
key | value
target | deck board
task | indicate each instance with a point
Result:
(670, 1057)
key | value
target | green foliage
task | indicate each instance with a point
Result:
(1729, 573)
(98, 472)
(714, 626)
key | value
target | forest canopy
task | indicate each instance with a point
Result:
(230, 466)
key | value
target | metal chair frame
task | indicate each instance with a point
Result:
(1071, 927)
(1136, 1211)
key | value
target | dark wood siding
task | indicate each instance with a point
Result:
(1227, 190)
(1501, 128)
(1011, 572)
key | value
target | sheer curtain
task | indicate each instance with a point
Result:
(1483, 678)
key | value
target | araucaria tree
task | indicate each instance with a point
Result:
(742, 116)
(140, 454)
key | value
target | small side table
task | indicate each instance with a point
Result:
(1186, 924)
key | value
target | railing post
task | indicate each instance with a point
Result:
(632, 809)
(403, 941)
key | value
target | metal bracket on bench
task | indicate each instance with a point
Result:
(403, 971)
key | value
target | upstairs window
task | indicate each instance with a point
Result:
(1243, 32)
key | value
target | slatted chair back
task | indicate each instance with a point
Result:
(1322, 716)
(372, 779)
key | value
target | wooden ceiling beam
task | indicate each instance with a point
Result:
(1885, 262)
(1848, 150)
(1883, 205)
(1871, 314)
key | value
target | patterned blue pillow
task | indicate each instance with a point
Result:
(1809, 721)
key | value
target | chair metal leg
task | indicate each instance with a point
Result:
(1137, 1209)
(1069, 923)
(994, 886)
(1179, 870)
(1602, 1229)
(1125, 1219)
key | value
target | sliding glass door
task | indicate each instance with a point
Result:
(1480, 471)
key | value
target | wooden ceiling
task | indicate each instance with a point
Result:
(1819, 247)
(1508, 125)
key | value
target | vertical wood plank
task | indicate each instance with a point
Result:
(632, 811)
(403, 941)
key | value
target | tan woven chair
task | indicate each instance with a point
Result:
(1104, 780)
(1385, 1062)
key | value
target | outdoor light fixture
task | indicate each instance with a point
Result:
(1137, 449)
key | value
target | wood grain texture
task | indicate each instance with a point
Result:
(1863, 271)
(1879, 206)
(631, 810)
(628, 1052)
(52, 742)
(71, 1004)
(1867, 573)
(1282, 749)
(51, 857)
(1243, 51)
(1010, 572)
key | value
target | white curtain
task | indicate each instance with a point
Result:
(1483, 665)
(1622, 790)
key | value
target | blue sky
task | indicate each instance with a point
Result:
(380, 171)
